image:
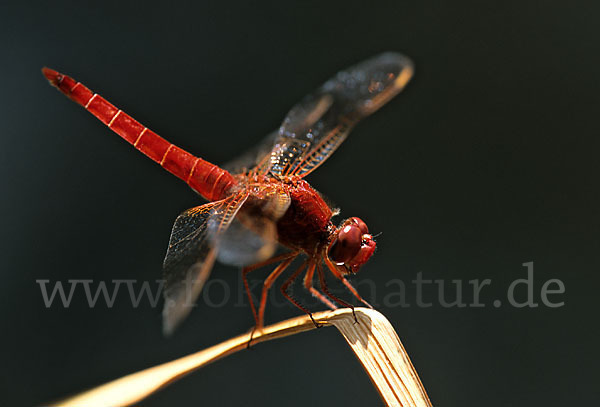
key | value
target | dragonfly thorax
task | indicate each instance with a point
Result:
(306, 225)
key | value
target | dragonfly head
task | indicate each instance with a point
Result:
(352, 245)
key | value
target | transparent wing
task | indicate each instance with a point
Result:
(191, 255)
(316, 126)
(242, 245)
(252, 236)
(254, 157)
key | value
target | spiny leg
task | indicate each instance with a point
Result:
(253, 267)
(341, 277)
(259, 318)
(323, 285)
(285, 286)
(266, 285)
(308, 284)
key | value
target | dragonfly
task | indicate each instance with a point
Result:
(260, 204)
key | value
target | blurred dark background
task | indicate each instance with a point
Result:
(488, 160)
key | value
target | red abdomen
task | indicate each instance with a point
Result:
(209, 180)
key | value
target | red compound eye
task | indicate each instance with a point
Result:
(367, 249)
(361, 225)
(347, 244)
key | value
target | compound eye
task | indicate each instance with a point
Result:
(347, 244)
(361, 225)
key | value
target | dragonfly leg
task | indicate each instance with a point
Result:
(323, 285)
(256, 266)
(284, 291)
(349, 286)
(266, 285)
(308, 284)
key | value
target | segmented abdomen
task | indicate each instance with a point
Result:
(207, 179)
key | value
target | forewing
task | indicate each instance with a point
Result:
(252, 236)
(257, 156)
(191, 255)
(316, 126)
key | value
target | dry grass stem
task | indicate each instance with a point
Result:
(372, 339)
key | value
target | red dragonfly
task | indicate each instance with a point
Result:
(261, 201)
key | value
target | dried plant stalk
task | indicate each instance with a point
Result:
(372, 339)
